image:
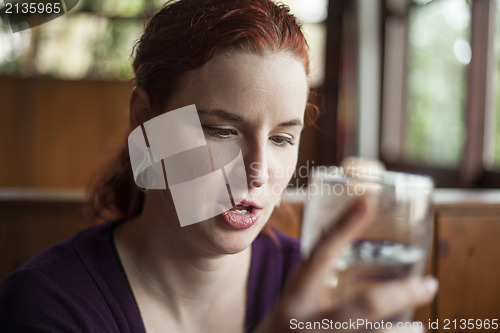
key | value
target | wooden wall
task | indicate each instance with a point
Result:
(467, 260)
(53, 132)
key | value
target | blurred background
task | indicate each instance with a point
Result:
(413, 83)
(410, 82)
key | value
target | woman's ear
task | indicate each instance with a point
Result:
(140, 107)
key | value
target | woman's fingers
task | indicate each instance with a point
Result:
(353, 221)
(309, 280)
(377, 309)
(300, 303)
(389, 299)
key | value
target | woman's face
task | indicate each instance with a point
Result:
(256, 102)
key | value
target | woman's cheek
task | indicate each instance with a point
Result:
(281, 177)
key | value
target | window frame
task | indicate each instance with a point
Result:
(472, 172)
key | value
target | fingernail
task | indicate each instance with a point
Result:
(360, 208)
(429, 285)
(365, 205)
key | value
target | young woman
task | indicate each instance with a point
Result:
(244, 65)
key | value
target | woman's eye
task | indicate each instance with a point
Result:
(282, 140)
(219, 132)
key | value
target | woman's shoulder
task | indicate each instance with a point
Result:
(288, 244)
(65, 257)
(274, 256)
(64, 286)
(58, 253)
(276, 246)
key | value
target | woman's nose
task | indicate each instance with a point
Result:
(257, 168)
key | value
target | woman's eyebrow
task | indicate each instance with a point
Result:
(290, 123)
(222, 114)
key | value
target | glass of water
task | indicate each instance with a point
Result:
(394, 246)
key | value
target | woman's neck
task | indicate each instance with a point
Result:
(173, 264)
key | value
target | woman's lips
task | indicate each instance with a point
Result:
(241, 216)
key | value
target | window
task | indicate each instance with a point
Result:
(440, 109)
(93, 40)
(438, 56)
(312, 14)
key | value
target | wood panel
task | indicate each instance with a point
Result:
(16, 128)
(53, 132)
(468, 266)
(32, 221)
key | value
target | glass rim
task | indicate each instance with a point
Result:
(373, 176)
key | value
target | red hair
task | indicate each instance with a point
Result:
(183, 36)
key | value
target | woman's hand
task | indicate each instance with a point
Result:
(301, 302)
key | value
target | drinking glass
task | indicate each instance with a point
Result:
(394, 246)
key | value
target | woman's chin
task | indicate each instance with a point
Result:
(230, 232)
(226, 239)
(234, 240)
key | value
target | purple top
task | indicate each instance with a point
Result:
(79, 285)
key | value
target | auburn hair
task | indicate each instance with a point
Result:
(183, 36)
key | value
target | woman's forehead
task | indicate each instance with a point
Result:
(247, 80)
